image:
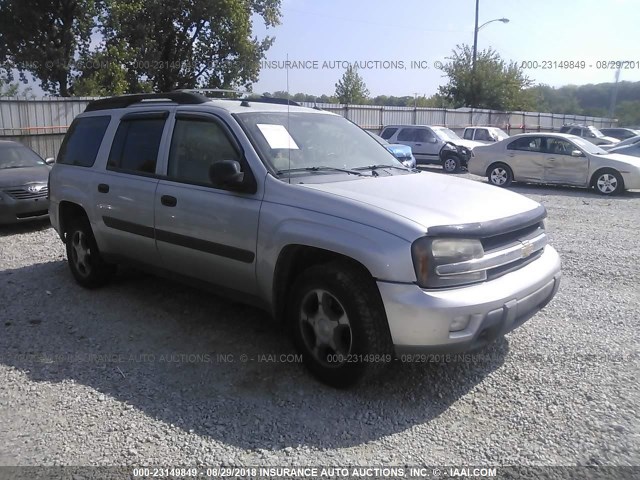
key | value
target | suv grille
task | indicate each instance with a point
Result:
(31, 191)
(522, 237)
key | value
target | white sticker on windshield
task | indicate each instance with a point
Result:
(277, 136)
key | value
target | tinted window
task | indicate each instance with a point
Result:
(136, 144)
(195, 146)
(387, 133)
(81, 145)
(559, 146)
(407, 135)
(424, 135)
(483, 134)
(576, 131)
(468, 133)
(527, 144)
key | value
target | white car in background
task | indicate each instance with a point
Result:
(555, 158)
(484, 135)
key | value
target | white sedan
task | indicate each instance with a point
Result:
(555, 158)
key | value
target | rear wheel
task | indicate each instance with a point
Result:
(339, 325)
(500, 175)
(85, 262)
(608, 182)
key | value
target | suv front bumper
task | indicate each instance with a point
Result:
(420, 320)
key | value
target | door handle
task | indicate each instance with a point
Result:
(103, 188)
(168, 201)
(552, 159)
(418, 144)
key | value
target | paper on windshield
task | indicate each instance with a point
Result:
(277, 136)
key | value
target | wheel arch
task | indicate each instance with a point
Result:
(592, 181)
(67, 212)
(292, 261)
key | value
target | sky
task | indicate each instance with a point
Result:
(426, 31)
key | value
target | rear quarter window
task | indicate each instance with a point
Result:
(387, 133)
(82, 142)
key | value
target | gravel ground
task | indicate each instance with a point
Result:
(135, 373)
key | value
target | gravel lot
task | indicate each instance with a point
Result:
(134, 374)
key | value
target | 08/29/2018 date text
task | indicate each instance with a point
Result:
(579, 64)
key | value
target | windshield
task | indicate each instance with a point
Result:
(295, 141)
(501, 134)
(596, 132)
(446, 134)
(587, 146)
(18, 156)
(378, 138)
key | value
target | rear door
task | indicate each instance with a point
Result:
(125, 191)
(205, 232)
(526, 157)
(563, 167)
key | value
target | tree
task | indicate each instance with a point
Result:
(187, 43)
(45, 38)
(351, 88)
(495, 84)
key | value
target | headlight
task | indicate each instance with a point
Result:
(430, 253)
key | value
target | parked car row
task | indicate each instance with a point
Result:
(556, 158)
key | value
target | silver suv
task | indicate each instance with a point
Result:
(589, 133)
(302, 213)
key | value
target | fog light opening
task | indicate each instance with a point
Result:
(459, 323)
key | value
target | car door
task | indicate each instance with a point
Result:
(125, 191)
(430, 144)
(202, 231)
(563, 164)
(526, 157)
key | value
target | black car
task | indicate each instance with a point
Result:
(23, 183)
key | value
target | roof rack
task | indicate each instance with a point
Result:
(123, 101)
(246, 98)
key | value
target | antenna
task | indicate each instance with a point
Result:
(288, 121)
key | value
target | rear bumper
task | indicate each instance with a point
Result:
(421, 320)
(16, 211)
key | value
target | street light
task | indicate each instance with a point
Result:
(475, 41)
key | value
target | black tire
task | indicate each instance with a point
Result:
(608, 182)
(500, 175)
(452, 164)
(88, 268)
(339, 290)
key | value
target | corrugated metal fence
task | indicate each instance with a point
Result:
(41, 124)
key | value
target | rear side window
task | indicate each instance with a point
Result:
(527, 144)
(387, 133)
(407, 135)
(136, 144)
(83, 140)
(468, 133)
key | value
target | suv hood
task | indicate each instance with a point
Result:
(430, 199)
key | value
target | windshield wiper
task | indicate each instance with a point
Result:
(375, 167)
(319, 169)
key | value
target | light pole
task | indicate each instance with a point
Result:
(475, 43)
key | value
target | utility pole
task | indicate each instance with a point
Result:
(614, 95)
(475, 54)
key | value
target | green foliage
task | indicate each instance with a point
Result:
(351, 88)
(186, 43)
(494, 84)
(45, 38)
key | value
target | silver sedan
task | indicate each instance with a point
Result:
(555, 158)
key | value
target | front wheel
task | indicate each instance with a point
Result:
(500, 175)
(85, 262)
(452, 164)
(608, 182)
(339, 324)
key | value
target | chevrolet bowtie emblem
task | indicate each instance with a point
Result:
(527, 248)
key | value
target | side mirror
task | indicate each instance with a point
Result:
(433, 140)
(226, 173)
(577, 153)
(50, 161)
